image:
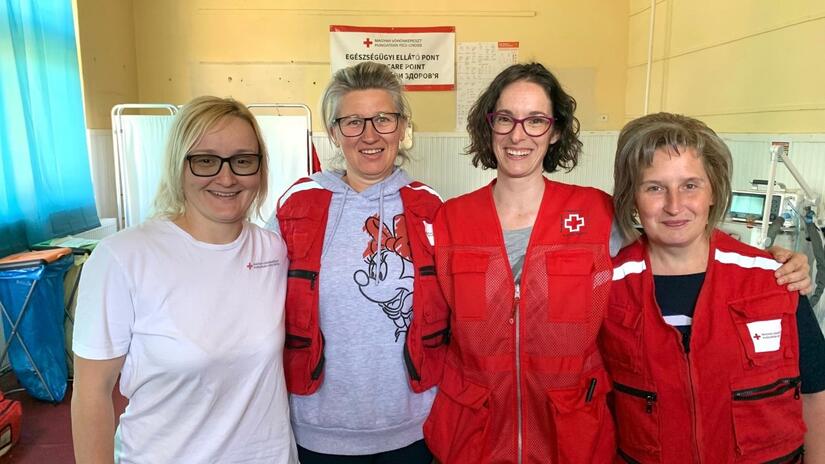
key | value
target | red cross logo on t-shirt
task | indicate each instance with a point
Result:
(757, 336)
(249, 265)
(367, 42)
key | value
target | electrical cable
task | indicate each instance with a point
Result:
(819, 257)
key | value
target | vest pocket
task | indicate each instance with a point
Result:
(469, 275)
(766, 325)
(456, 429)
(298, 245)
(300, 296)
(429, 333)
(428, 300)
(570, 285)
(767, 416)
(580, 417)
(637, 421)
(303, 366)
(304, 348)
(621, 338)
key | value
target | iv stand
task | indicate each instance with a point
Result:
(777, 153)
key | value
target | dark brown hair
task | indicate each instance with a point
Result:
(562, 154)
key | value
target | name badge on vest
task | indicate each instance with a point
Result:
(766, 335)
(572, 222)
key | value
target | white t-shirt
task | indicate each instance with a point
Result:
(202, 328)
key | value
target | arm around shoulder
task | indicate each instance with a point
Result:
(795, 270)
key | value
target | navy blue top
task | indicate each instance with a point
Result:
(677, 295)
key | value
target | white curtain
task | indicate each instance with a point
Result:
(141, 163)
(144, 141)
(286, 140)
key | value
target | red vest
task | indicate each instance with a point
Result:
(302, 216)
(735, 396)
(523, 376)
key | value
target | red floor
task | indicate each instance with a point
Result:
(46, 431)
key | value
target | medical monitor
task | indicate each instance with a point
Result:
(748, 206)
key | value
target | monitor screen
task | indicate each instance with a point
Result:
(747, 204)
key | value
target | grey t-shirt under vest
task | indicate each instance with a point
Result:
(516, 243)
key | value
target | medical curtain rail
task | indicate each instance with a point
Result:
(124, 188)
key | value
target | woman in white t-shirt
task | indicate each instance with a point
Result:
(188, 309)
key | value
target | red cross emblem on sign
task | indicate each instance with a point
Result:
(249, 266)
(757, 336)
(367, 42)
(573, 222)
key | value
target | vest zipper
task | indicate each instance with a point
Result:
(312, 276)
(515, 321)
(766, 391)
(792, 458)
(409, 363)
(296, 342)
(693, 410)
(319, 368)
(626, 457)
(443, 334)
(426, 270)
(649, 397)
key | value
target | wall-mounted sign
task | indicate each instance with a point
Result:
(422, 57)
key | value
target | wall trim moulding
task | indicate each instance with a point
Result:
(370, 12)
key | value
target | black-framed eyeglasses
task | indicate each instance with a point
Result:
(353, 126)
(534, 126)
(242, 164)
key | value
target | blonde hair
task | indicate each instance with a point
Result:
(190, 124)
(367, 75)
(640, 139)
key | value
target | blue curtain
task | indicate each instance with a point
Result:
(45, 182)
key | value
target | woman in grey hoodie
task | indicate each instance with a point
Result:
(359, 366)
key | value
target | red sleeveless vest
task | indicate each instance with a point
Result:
(735, 396)
(523, 376)
(302, 216)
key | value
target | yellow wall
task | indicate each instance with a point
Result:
(262, 50)
(105, 33)
(739, 65)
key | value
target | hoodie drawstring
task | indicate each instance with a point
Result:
(380, 231)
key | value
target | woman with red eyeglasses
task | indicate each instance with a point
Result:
(524, 264)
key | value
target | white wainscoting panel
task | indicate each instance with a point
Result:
(101, 160)
(438, 160)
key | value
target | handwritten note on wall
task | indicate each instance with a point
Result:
(477, 63)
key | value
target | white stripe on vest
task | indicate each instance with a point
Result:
(298, 188)
(427, 188)
(630, 267)
(748, 262)
(678, 320)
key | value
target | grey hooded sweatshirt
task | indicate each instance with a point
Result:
(365, 404)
